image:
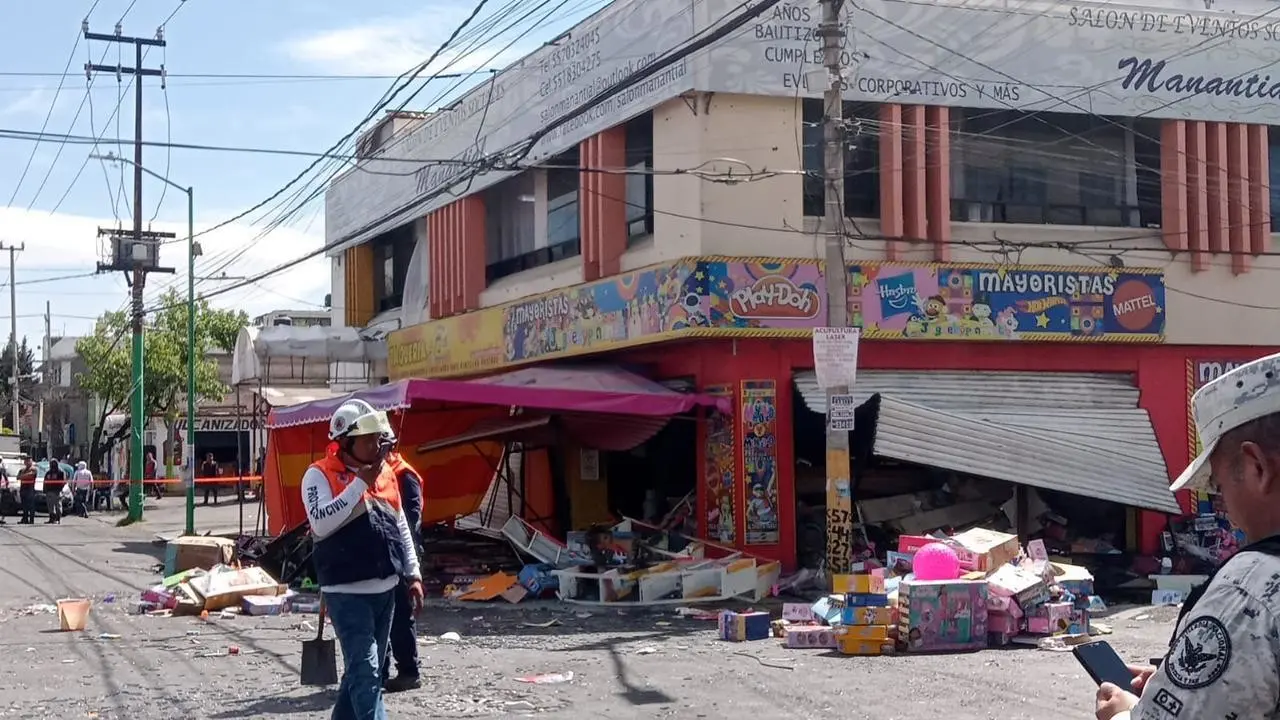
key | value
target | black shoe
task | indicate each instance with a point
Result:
(402, 683)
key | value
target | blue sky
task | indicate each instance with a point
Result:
(281, 37)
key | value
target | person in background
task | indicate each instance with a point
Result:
(5, 490)
(82, 482)
(209, 469)
(27, 491)
(404, 634)
(54, 480)
(151, 472)
(362, 548)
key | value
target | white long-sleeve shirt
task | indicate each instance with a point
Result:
(83, 480)
(328, 514)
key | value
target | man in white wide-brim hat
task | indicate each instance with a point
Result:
(1224, 661)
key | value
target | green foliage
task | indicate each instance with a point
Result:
(107, 354)
(26, 382)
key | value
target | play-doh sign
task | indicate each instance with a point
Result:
(775, 298)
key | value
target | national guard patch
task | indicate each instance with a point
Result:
(1200, 655)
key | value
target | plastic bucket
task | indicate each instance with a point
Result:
(73, 614)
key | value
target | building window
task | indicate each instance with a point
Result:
(392, 253)
(510, 235)
(861, 160)
(1049, 168)
(563, 184)
(639, 177)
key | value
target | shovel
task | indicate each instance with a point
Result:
(319, 657)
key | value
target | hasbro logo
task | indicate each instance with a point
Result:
(897, 294)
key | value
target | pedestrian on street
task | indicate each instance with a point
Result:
(1224, 660)
(151, 472)
(54, 480)
(82, 481)
(363, 547)
(6, 490)
(209, 469)
(27, 490)
(404, 633)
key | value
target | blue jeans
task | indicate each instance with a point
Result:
(363, 625)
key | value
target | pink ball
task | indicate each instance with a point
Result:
(936, 561)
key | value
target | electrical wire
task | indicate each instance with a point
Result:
(168, 133)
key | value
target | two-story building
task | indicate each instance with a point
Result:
(1059, 225)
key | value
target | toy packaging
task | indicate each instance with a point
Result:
(867, 616)
(993, 549)
(866, 600)
(942, 615)
(740, 627)
(811, 636)
(871, 583)
(856, 646)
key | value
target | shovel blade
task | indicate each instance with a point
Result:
(319, 662)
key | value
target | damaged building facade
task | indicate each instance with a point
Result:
(1059, 226)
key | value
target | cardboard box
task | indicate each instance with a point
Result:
(185, 553)
(911, 543)
(1025, 587)
(1074, 579)
(741, 627)
(942, 615)
(867, 632)
(857, 646)
(866, 600)
(810, 636)
(226, 587)
(1050, 618)
(871, 583)
(867, 616)
(262, 605)
(993, 549)
(799, 613)
(1079, 622)
(1001, 604)
(828, 609)
(1003, 624)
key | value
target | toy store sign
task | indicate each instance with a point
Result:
(977, 302)
(775, 298)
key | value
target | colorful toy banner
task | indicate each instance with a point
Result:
(760, 462)
(719, 471)
(787, 298)
(989, 302)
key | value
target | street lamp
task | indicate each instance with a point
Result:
(193, 249)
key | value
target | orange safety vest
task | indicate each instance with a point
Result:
(400, 466)
(385, 490)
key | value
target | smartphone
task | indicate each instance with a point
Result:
(1103, 664)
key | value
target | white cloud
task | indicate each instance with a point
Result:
(33, 102)
(394, 45)
(67, 242)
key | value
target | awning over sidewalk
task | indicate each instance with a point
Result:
(1091, 421)
(287, 396)
(582, 389)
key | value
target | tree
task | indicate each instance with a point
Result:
(107, 354)
(26, 381)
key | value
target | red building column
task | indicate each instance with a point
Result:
(602, 208)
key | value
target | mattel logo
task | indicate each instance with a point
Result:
(897, 294)
(775, 298)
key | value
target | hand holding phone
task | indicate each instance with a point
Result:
(1104, 665)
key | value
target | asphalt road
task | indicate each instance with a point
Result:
(633, 665)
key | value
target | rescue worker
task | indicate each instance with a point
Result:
(1224, 660)
(363, 548)
(404, 633)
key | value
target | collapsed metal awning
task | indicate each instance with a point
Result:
(1081, 433)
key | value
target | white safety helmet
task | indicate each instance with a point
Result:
(357, 417)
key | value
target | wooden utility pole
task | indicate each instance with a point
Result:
(135, 254)
(839, 484)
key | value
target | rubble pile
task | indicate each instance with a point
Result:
(973, 590)
(200, 577)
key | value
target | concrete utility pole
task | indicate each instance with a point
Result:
(14, 374)
(135, 254)
(839, 496)
(46, 379)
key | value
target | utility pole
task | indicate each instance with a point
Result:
(135, 254)
(46, 379)
(839, 483)
(13, 333)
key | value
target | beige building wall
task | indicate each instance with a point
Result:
(760, 137)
